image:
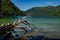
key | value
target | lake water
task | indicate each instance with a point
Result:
(45, 23)
(41, 23)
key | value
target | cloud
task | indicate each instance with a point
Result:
(49, 2)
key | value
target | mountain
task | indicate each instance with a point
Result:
(44, 11)
(7, 8)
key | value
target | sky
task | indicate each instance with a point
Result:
(27, 4)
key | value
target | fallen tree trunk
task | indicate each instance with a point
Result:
(4, 29)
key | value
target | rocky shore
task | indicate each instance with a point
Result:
(45, 33)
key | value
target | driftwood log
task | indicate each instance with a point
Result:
(7, 28)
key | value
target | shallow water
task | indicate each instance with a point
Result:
(45, 23)
(41, 23)
(52, 24)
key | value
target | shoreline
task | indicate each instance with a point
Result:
(45, 33)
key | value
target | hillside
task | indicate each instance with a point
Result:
(44, 11)
(7, 8)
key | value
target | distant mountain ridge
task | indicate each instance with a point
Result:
(7, 8)
(44, 11)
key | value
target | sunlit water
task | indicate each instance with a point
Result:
(52, 24)
(41, 23)
(45, 23)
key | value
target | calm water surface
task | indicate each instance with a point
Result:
(46, 23)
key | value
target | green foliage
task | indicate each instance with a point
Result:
(58, 11)
(45, 11)
(7, 8)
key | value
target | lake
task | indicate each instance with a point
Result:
(44, 23)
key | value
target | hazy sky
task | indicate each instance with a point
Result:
(27, 4)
